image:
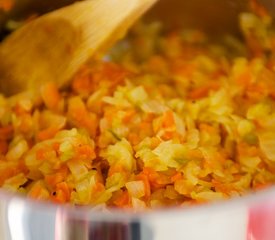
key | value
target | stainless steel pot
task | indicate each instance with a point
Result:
(247, 218)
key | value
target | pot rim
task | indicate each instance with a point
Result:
(95, 214)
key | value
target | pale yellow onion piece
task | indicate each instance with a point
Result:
(267, 144)
(15, 182)
(138, 205)
(208, 196)
(17, 151)
(136, 188)
(115, 182)
(120, 153)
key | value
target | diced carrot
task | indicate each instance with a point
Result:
(203, 91)
(207, 128)
(254, 45)
(6, 132)
(155, 142)
(46, 133)
(244, 79)
(258, 91)
(143, 177)
(157, 64)
(6, 5)
(26, 123)
(54, 179)
(133, 138)
(223, 187)
(83, 81)
(183, 68)
(86, 151)
(156, 179)
(22, 108)
(244, 149)
(168, 125)
(115, 169)
(258, 8)
(7, 172)
(63, 192)
(3, 147)
(59, 196)
(40, 154)
(35, 191)
(56, 146)
(45, 153)
(149, 117)
(82, 118)
(123, 200)
(199, 93)
(195, 154)
(51, 96)
(168, 119)
(167, 135)
(128, 116)
(112, 71)
(145, 126)
(38, 192)
(99, 187)
(261, 186)
(177, 176)
(99, 177)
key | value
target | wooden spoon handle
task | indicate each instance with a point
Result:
(54, 46)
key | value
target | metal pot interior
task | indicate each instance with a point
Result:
(213, 16)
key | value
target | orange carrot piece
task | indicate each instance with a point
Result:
(51, 96)
(177, 176)
(199, 93)
(168, 119)
(40, 154)
(6, 5)
(46, 133)
(133, 138)
(203, 91)
(6, 173)
(45, 153)
(81, 117)
(155, 142)
(26, 123)
(3, 147)
(83, 81)
(38, 191)
(86, 151)
(56, 146)
(123, 200)
(54, 179)
(99, 187)
(244, 79)
(115, 169)
(143, 177)
(129, 116)
(6, 132)
(63, 186)
(258, 8)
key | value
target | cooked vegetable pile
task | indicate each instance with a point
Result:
(172, 119)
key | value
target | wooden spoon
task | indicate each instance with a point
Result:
(54, 46)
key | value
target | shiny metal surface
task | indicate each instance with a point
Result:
(29, 220)
(22, 219)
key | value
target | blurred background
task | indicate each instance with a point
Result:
(214, 16)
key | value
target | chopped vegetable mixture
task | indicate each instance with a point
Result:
(172, 119)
